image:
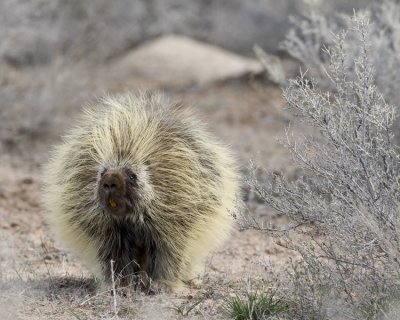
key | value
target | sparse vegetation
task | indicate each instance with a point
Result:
(344, 207)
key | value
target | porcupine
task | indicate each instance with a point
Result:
(140, 181)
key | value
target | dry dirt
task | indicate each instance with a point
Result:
(40, 280)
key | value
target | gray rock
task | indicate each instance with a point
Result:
(177, 61)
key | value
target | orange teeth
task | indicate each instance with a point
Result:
(112, 203)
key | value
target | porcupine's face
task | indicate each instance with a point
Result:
(118, 191)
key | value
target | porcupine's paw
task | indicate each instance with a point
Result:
(165, 286)
(195, 283)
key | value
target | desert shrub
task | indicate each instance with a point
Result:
(312, 32)
(344, 209)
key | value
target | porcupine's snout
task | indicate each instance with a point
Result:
(112, 192)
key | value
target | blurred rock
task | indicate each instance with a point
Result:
(176, 61)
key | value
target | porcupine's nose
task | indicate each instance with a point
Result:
(113, 181)
(109, 186)
(112, 188)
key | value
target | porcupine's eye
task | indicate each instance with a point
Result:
(131, 175)
(103, 172)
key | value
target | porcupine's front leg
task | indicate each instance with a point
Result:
(164, 271)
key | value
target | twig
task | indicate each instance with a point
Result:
(113, 288)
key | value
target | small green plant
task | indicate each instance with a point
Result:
(255, 306)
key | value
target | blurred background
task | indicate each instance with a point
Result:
(55, 56)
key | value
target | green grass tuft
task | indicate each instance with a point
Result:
(255, 306)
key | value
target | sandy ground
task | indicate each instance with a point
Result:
(40, 280)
